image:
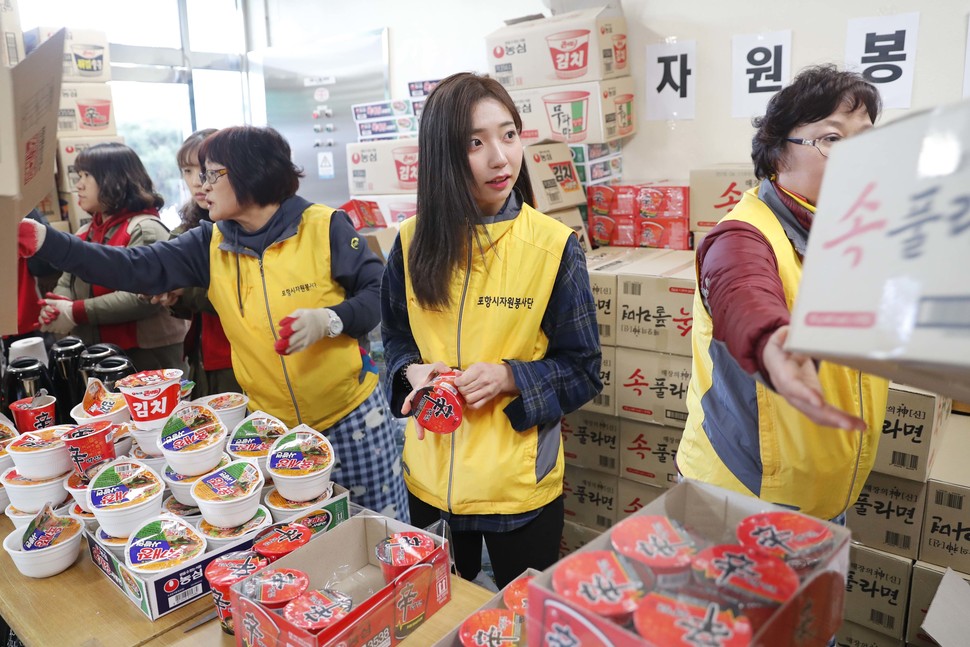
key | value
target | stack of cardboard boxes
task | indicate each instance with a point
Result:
(714, 190)
(86, 116)
(558, 192)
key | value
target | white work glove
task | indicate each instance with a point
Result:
(304, 327)
(57, 315)
(30, 237)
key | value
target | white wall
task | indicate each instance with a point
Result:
(434, 38)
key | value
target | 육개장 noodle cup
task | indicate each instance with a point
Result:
(230, 407)
(229, 496)
(181, 484)
(193, 439)
(226, 570)
(123, 495)
(162, 544)
(151, 396)
(254, 436)
(300, 463)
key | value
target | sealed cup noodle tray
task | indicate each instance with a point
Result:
(893, 239)
(344, 560)
(710, 516)
(229, 497)
(123, 495)
(158, 594)
(163, 544)
(152, 396)
(192, 439)
(300, 464)
(485, 623)
(48, 545)
(252, 438)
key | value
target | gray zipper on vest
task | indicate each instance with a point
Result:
(461, 311)
(269, 315)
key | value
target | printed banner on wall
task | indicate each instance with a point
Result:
(761, 66)
(671, 81)
(883, 50)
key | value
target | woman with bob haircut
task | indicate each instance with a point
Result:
(294, 287)
(480, 282)
(763, 421)
(115, 188)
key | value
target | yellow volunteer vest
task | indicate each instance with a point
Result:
(807, 466)
(317, 386)
(497, 305)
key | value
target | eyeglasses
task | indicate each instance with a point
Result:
(822, 144)
(212, 176)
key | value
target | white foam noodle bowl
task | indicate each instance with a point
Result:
(229, 406)
(124, 494)
(30, 495)
(193, 439)
(180, 485)
(48, 545)
(253, 437)
(41, 454)
(300, 463)
(229, 496)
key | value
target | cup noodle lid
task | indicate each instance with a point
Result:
(39, 441)
(192, 427)
(47, 529)
(223, 401)
(255, 435)
(281, 539)
(601, 581)
(492, 627)
(151, 378)
(171, 476)
(123, 483)
(275, 587)
(796, 538)
(99, 401)
(318, 609)
(668, 619)
(163, 543)
(659, 542)
(226, 570)
(405, 548)
(12, 477)
(745, 574)
(237, 480)
(301, 452)
(259, 520)
(516, 595)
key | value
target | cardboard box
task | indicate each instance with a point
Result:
(76, 216)
(590, 497)
(86, 57)
(926, 579)
(86, 110)
(945, 539)
(592, 441)
(573, 219)
(894, 233)
(382, 167)
(29, 94)
(852, 635)
(12, 50)
(68, 149)
(656, 304)
(888, 514)
(553, 176)
(588, 153)
(603, 272)
(344, 559)
(575, 536)
(585, 45)
(697, 239)
(652, 387)
(380, 240)
(911, 432)
(604, 402)
(648, 453)
(156, 595)
(597, 111)
(712, 514)
(382, 109)
(407, 125)
(50, 206)
(364, 213)
(877, 590)
(714, 190)
(635, 496)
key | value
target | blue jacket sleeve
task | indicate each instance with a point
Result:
(147, 269)
(569, 374)
(399, 345)
(358, 270)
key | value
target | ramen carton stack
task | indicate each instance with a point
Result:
(86, 116)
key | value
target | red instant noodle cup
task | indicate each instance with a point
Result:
(31, 414)
(658, 542)
(90, 445)
(602, 582)
(274, 588)
(439, 404)
(665, 618)
(516, 595)
(796, 538)
(401, 551)
(151, 396)
(281, 539)
(490, 627)
(318, 609)
(223, 572)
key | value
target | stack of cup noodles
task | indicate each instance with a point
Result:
(300, 463)
(41, 466)
(229, 500)
(123, 495)
(662, 581)
(252, 438)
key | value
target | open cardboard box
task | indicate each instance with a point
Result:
(165, 592)
(809, 618)
(345, 559)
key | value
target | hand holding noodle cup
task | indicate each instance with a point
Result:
(223, 572)
(31, 414)
(401, 551)
(300, 464)
(91, 445)
(439, 406)
(151, 396)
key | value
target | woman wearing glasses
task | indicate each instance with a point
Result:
(115, 188)
(294, 287)
(763, 421)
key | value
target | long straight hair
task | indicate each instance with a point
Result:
(447, 211)
(191, 212)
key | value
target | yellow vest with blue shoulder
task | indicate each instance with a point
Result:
(745, 437)
(498, 300)
(317, 386)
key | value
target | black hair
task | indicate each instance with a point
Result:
(123, 182)
(447, 213)
(258, 161)
(191, 212)
(814, 94)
